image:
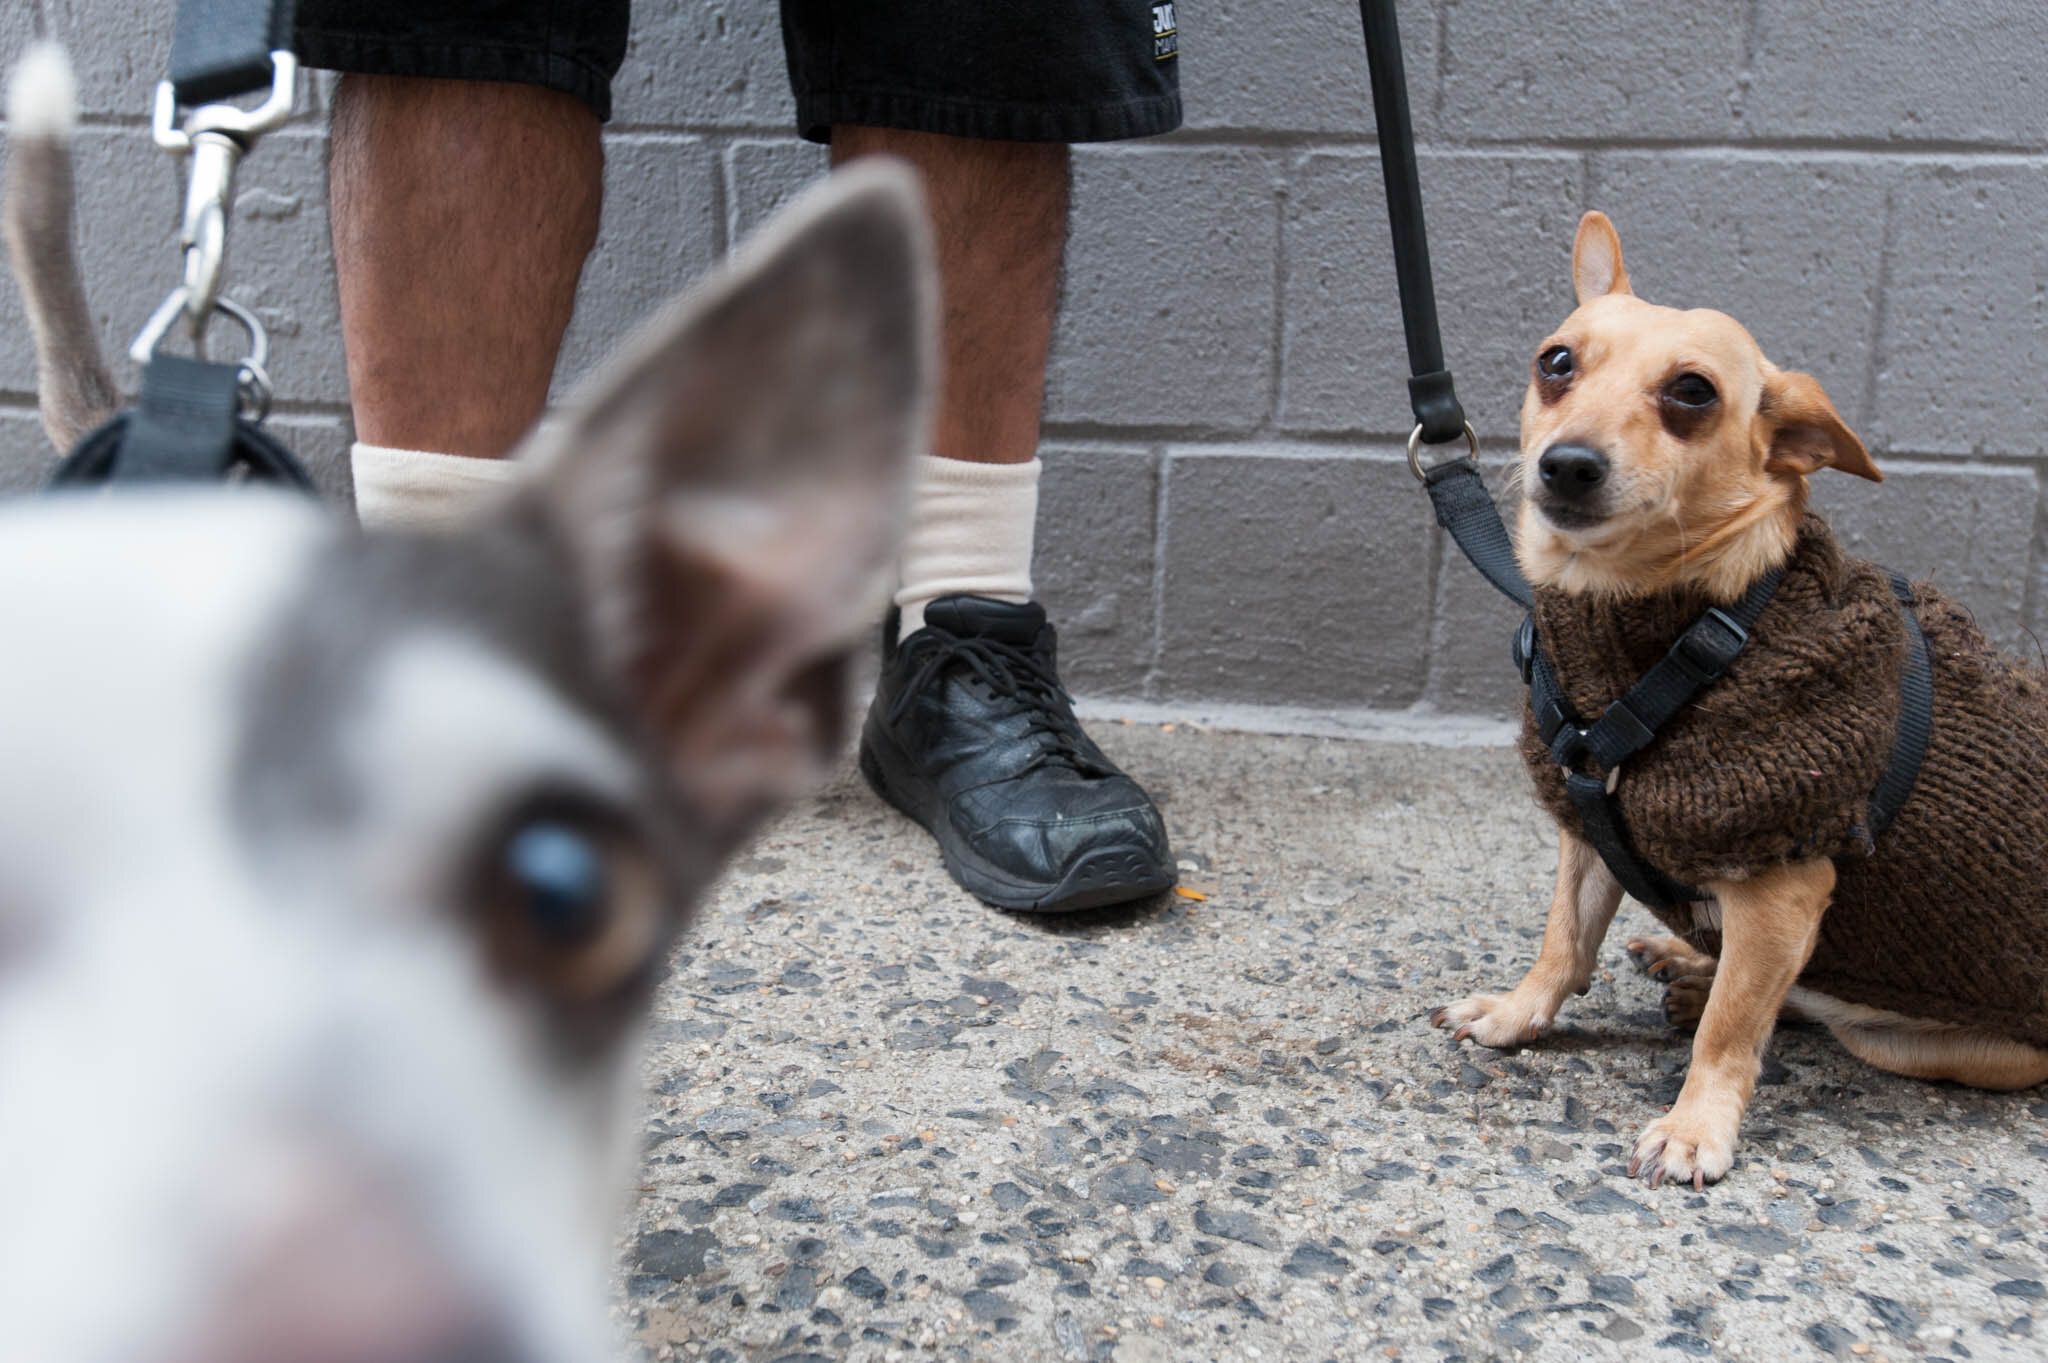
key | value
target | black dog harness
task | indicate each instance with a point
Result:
(1591, 755)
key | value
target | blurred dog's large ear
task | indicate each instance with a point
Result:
(1806, 433)
(729, 486)
(1596, 259)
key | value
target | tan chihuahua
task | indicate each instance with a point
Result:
(1665, 461)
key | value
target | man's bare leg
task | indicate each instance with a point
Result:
(999, 214)
(462, 212)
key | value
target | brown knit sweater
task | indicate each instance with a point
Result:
(1945, 917)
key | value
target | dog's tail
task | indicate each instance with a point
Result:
(76, 389)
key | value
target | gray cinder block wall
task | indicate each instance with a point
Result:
(1227, 520)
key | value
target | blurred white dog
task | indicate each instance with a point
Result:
(336, 869)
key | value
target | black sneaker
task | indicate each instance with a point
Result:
(972, 735)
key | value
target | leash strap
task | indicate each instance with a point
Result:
(1465, 509)
(221, 48)
(1456, 491)
(183, 425)
(1916, 718)
(1436, 406)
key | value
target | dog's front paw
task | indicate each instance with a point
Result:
(1685, 1147)
(1497, 1020)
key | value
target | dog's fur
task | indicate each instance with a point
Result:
(1707, 498)
(294, 1063)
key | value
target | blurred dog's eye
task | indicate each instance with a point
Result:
(568, 901)
(1690, 390)
(559, 872)
(1555, 363)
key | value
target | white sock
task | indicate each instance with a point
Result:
(419, 490)
(970, 531)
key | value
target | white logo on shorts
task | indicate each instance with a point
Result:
(1165, 32)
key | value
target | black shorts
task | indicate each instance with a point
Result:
(1018, 70)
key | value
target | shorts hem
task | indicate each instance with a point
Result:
(381, 56)
(1148, 116)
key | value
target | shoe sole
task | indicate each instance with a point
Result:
(1109, 875)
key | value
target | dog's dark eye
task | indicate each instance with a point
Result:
(559, 872)
(1690, 390)
(568, 900)
(1555, 363)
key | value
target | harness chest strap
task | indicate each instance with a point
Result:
(1699, 658)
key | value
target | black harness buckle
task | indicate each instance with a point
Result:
(1569, 746)
(1710, 644)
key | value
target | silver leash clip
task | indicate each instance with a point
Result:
(215, 137)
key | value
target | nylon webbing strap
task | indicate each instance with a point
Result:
(1696, 661)
(1465, 508)
(183, 425)
(1916, 718)
(1600, 824)
(1699, 658)
(183, 428)
(221, 48)
(1429, 391)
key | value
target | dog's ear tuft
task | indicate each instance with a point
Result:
(729, 486)
(1806, 433)
(1596, 259)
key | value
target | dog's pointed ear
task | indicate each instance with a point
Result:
(1806, 433)
(1596, 259)
(728, 488)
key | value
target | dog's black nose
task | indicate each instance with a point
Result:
(1572, 473)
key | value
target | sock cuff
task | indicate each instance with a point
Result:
(420, 489)
(931, 470)
(389, 462)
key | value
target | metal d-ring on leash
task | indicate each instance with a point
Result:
(1591, 755)
(196, 420)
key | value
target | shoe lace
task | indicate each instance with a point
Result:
(1015, 672)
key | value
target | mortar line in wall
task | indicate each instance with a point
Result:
(724, 203)
(1752, 37)
(1313, 443)
(2037, 548)
(1275, 365)
(1433, 572)
(1880, 309)
(1442, 63)
(1151, 687)
(1932, 151)
(1339, 140)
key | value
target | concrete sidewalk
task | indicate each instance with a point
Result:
(892, 1123)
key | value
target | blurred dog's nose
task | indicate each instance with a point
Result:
(346, 1274)
(1572, 473)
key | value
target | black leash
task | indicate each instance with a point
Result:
(1591, 755)
(196, 420)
